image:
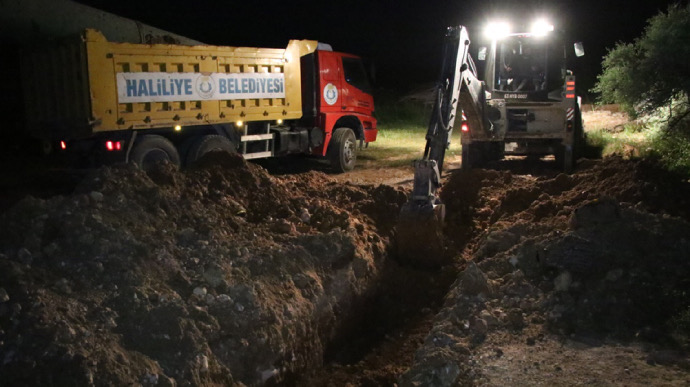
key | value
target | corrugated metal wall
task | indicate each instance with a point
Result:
(27, 23)
(31, 21)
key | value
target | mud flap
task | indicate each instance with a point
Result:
(419, 235)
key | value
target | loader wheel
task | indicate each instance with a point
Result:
(565, 158)
(152, 149)
(472, 155)
(206, 144)
(466, 162)
(579, 136)
(497, 150)
(342, 151)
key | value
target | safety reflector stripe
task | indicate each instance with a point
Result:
(569, 114)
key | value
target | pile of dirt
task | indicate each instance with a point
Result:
(225, 275)
(220, 275)
(597, 259)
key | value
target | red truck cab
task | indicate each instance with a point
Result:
(337, 98)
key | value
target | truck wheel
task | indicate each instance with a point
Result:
(342, 151)
(151, 149)
(208, 143)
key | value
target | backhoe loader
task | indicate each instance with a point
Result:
(526, 104)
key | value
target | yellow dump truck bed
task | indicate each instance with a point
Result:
(88, 85)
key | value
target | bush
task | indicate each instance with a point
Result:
(672, 148)
(653, 71)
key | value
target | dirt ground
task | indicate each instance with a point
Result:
(232, 273)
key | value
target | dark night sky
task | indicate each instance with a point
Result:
(402, 37)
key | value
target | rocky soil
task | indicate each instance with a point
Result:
(573, 279)
(219, 275)
(224, 274)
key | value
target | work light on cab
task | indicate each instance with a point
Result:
(497, 30)
(541, 28)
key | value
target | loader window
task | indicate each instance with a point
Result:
(521, 65)
(355, 74)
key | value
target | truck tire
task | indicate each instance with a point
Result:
(151, 149)
(208, 143)
(342, 151)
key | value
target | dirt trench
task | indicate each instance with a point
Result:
(226, 275)
(571, 279)
(221, 274)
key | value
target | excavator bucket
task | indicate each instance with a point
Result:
(419, 235)
(420, 223)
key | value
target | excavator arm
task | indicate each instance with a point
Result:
(419, 228)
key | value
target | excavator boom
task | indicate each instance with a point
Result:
(419, 229)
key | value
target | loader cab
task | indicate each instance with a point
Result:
(525, 66)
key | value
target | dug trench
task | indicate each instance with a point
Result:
(217, 275)
(225, 275)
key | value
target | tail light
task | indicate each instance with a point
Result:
(465, 128)
(113, 145)
(63, 145)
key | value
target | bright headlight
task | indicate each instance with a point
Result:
(497, 30)
(541, 28)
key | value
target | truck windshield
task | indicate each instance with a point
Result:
(521, 65)
(355, 74)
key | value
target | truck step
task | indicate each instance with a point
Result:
(257, 155)
(256, 137)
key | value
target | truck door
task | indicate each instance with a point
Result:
(330, 82)
(357, 92)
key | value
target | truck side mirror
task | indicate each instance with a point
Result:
(481, 55)
(579, 49)
(372, 73)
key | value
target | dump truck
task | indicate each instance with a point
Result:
(528, 108)
(144, 103)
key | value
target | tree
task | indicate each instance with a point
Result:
(654, 70)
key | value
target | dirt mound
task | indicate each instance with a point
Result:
(598, 257)
(225, 275)
(217, 275)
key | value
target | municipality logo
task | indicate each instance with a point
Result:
(330, 94)
(205, 86)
